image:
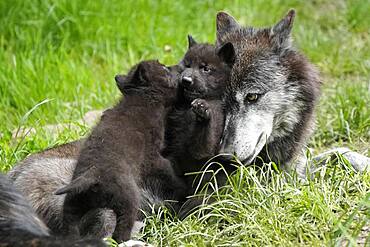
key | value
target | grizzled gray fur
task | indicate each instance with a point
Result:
(20, 226)
(271, 96)
(41, 174)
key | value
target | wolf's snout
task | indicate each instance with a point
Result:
(187, 81)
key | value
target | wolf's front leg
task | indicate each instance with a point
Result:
(359, 162)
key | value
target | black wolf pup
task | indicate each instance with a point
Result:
(195, 124)
(120, 162)
(272, 94)
(20, 226)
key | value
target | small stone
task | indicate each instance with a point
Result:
(167, 48)
(91, 117)
(22, 132)
(134, 243)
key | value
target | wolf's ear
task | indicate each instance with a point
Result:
(227, 53)
(224, 23)
(191, 41)
(280, 33)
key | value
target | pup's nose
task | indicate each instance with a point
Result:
(187, 81)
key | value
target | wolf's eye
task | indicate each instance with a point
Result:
(252, 97)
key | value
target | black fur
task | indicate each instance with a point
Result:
(121, 158)
(195, 124)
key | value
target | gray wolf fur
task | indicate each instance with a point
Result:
(20, 226)
(359, 162)
(271, 96)
(121, 157)
(41, 174)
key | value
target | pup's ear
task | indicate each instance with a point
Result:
(121, 80)
(141, 76)
(138, 76)
(191, 41)
(224, 23)
(227, 53)
(280, 33)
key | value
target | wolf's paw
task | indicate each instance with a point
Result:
(201, 109)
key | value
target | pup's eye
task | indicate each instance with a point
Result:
(252, 97)
(205, 68)
(186, 64)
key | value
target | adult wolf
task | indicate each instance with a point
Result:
(271, 96)
(20, 226)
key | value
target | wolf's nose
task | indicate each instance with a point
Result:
(187, 81)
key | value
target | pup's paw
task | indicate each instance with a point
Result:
(201, 108)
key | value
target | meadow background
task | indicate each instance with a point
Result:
(69, 51)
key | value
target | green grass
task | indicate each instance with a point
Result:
(69, 52)
(273, 210)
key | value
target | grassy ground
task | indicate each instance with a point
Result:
(69, 51)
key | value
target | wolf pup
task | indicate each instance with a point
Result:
(120, 163)
(271, 97)
(196, 122)
(20, 225)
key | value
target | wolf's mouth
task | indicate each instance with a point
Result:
(256, 150)
(250, 158)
